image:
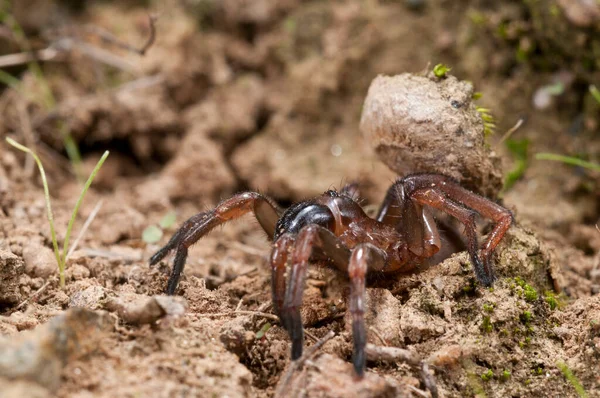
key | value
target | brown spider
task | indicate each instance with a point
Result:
(334, 227)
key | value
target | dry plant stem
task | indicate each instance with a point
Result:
(47, 54)
(299, 363)
(37, 292)
(420, 393)
(86, 225)
(394, 354)
(109, 38)
(232, 313)
(66, 44)
(512, 130)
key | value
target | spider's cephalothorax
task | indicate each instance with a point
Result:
(334, 227)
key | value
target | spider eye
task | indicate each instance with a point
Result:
(332, 193)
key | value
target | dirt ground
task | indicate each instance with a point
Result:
(268, 95)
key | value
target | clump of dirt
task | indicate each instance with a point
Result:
(430, 124)
(11, 267)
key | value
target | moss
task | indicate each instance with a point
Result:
(551, 300)
(528, 291)
(489, 307)
(487, 375)
(526, 317)
(505, 376)
(487, 325)
(441, 70)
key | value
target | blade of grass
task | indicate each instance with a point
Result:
(46, 196)
(568, 160)
(76, 209)
(571, 378)
(595, 92)
(9, 80)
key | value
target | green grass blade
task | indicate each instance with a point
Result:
(79, 201)
(568, 160)
(571, 378)
(9, 80)
(595, 92)
(48, 205)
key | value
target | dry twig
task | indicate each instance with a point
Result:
(86, 225)
(395, 354)
(41, 289)
(233, 313)
(512, 130)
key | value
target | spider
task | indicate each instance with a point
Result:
(333, 227)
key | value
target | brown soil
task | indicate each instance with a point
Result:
(268, 95)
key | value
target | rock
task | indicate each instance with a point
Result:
(41, 354)
(11, 267)
(91, 298)
(138, 310)
(40, 260)
(425, 124)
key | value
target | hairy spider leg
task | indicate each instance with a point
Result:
(282, 248)
(363, 256)
(442, 192)
(312, 241)
(413, 221)
(435, 199)
(199, 225)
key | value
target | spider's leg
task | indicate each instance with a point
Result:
(364, 256)
(415, 222)
(501, 216)
(282, 247)
(351, 190)
(200, 224)
(435, 199)
(312, 241)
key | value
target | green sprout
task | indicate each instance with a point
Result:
(571, 378)
(153, 233)
(489, 123)
(441, 70)
(568, 160)
(61, 259)
(518, 150)
(505, 376)
(487, 375)
(487, 325)
(526, 317)
(530, 293)
(260, 334)
(595, 92)
(551, 300)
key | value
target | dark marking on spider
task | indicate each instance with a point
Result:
(334, 227)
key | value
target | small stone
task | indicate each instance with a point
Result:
(40, 260)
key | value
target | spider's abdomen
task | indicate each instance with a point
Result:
(302, 214)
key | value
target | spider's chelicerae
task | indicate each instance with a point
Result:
(335, 228)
